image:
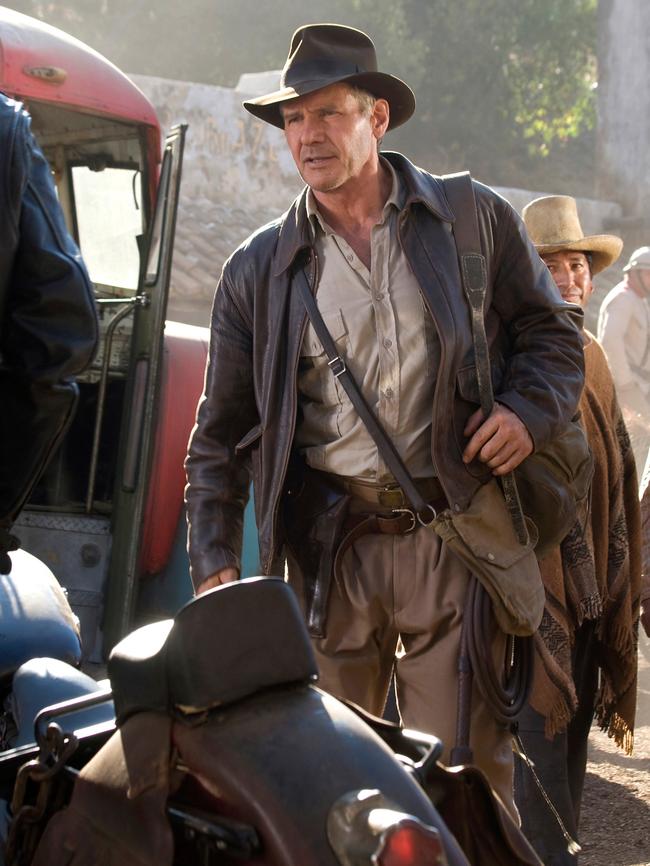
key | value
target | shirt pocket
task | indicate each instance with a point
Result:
(317, 382)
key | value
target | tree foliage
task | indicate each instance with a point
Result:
(504, 87)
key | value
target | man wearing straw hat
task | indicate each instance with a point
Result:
(586, 661)
(371, 237)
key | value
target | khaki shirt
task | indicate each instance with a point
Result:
(386, 336)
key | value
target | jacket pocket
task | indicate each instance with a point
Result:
(249, 439)
(467, 401)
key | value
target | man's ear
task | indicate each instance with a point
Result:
(380, 118)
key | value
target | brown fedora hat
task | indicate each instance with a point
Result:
(553, 225)
(324, 54)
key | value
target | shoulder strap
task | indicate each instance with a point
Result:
(339, 369)
(473, 269)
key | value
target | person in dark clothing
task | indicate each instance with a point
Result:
(48, 319)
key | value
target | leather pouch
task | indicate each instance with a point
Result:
(314, 514)
(483, 537)
(477, 817)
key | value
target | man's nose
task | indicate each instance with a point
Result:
(312, 130)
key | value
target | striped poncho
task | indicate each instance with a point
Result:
(596, 574)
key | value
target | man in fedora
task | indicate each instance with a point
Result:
(586, 660)
(624, 332)
(371, 237)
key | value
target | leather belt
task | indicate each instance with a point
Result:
(400, 522)
(388, 495)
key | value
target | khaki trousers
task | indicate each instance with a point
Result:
(399, 606)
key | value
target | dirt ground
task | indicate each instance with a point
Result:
(615, 822)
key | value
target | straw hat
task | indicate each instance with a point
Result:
(324, 54)
(553, 225)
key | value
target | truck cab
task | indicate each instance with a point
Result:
(107, 513)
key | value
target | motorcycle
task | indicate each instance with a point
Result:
(210, 743)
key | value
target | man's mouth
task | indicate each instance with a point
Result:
(316, 161)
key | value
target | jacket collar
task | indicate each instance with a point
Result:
(421, 188)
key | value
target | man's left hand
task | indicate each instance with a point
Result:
(502, 441)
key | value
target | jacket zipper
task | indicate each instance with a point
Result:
(274, 520)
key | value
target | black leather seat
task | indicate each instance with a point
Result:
(222, 646)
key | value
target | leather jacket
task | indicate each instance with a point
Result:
(247, 416)
(48, 319)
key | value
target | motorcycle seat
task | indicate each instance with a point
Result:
(224, 645)
(36, 617)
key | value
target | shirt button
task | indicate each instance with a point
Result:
(491, 557)
(379, 296)
(388, 343)
(388, 392)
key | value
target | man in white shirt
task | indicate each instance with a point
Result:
(624, 333)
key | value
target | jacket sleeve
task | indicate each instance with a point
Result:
(218, 472)
(49, 324)
(545, 367)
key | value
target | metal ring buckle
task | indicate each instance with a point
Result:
(427, 522)
(413, 517)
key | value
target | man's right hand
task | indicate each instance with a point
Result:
(226, 575)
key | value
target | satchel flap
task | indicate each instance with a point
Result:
(486, 528)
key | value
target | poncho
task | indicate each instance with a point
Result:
(595, 574)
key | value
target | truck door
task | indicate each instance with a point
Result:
(138, 431)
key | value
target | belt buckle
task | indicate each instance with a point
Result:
(411, 514)
(391, 497)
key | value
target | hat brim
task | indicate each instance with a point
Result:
(396, 92)
(637, 266)
(604, 249)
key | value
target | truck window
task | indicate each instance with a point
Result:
(109, 220)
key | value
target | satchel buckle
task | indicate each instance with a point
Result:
(337, 366)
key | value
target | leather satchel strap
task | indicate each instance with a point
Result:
(473, 269)
(377, 432)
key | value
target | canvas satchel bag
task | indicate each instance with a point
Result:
(550, 487)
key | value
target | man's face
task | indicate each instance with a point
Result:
(572, 275)
(331, 138)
